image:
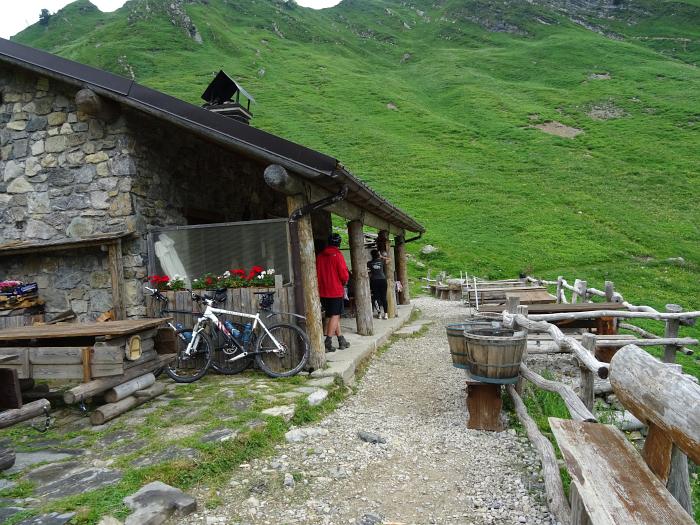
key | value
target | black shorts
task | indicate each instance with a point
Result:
(332, 305)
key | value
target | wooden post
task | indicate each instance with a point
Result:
(580, 291)
(679, 476)
(402, 269)
(86, 355)
(560, 289)
(363, 298)
(587, 393)
(309, 283)
(116, 273)
(672, 327)
(605, 326)
(609, 291)
(384, 246)
(512, 304)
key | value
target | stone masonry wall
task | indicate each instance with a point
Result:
(62, 175)
(66, 175)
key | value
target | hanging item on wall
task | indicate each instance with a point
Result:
(133, 348)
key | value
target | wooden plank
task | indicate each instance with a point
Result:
(14, 356)
(557, 308)
(55, 355)
(615, 485)
(533, 297)
(146, 356)
(10, 392)
(63, 372)
(86, 354)
(111, 329)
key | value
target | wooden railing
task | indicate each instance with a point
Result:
(580, 407)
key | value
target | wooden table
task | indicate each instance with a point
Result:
(77, 350)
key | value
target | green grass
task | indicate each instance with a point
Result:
(495, 194)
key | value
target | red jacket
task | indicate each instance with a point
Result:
(332, 272)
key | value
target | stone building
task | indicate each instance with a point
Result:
(90, 162)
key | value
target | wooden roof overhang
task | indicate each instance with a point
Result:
(317, 168)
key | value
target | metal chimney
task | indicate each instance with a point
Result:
(218, 97)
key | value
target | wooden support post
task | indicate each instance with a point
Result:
(605, 326)
(580, 291)
(587, 392)
(512, 304)
(384, 246)
(309, 283)
(116, 272)
(484, 405)
(363, 298)
(402, 269)
(560, 290)
(86, 355)
(609, 291)
(672, 327)
(679, 476)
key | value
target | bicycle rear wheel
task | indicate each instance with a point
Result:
(288, 361)
(187, 369)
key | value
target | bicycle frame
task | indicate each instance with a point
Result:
(210, 314)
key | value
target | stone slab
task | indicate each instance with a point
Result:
(168, 454)
(59, 480)
(27, 459)
(219, 435)
(156, 502)
(49, 519)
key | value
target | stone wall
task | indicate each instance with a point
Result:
(66, 175)
(63, 175)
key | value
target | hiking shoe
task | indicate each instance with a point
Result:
(386, 316)
(342, 343)
(329, 345)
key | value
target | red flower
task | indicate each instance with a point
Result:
(208, 280)
(256, 269)
(238, 272)
(157, 279)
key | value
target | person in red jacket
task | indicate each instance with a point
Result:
(332, 275)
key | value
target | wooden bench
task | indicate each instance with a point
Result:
(611, 483)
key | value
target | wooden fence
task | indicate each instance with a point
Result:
(239, 299)
(635, 397)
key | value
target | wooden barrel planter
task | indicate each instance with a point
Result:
(494, 354)
(458, 343)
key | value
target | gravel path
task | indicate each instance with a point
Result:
(430, 470)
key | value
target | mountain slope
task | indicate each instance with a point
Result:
(469, 80)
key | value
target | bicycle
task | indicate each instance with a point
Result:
(280, 350)
(191, 369)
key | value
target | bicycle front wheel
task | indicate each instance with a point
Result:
(288, 360)
(187, 369)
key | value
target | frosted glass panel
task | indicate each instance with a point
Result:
(192, 251)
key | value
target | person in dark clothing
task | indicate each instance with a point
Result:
(377, 281)
(332, 273)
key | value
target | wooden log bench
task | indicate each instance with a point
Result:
(611, 483)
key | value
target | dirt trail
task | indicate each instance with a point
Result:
(430, 470)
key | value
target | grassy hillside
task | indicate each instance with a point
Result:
(469, 81)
